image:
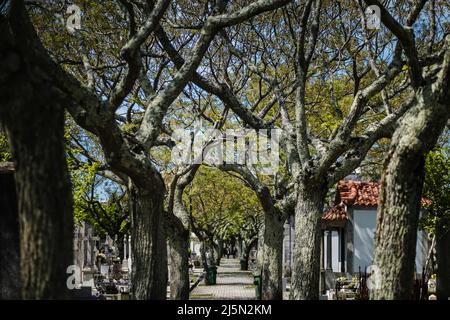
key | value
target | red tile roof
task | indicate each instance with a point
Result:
(358, 193)
(354, 193)
(338, 212)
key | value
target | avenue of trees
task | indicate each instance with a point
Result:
(88, 115)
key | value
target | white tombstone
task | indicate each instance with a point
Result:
(89, 247)
(129, 253)
(110, 241)
(104, 269)
(78, 244)
(95, 252)
(125, 260)
(125, 247)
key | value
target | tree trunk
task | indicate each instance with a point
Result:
(401, 189)
(32, 111)
(203, 255)
(9, 235)
(213, 251)
(397, 223)
(246, 247)
(179, 265)
(247, 253)
(178, 236)
(443, 268)
(272, 257)
(260, 253)
(218, 251)
(239, 248)
(45, 203)
(148, 246)
(306, 253)
(244, 255)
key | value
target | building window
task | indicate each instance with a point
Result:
(334, 250)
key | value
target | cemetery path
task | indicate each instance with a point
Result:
(231, 284)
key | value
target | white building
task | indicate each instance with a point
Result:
(348, 230)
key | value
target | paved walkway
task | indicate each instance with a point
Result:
(232, 284)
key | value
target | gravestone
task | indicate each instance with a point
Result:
(125, 255)
(78, 245)
(90, 253)
(109, 242)
(130, 254)
(104, 270)
(9, 235)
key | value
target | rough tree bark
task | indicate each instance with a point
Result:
(239, 248)
(178, 236)
(260, 257)
(203, 254)
(178, 223)
(306, 253)
(179, 260)
(32, 110)
(148, 246)
(218, 251)
(245, 250)
(401, 189)
(9, 235)
(272, 270)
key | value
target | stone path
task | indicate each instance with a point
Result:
(232, 284)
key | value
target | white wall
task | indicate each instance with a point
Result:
(364, 224)
(421, 251)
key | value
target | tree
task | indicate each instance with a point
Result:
(415, 135)
(282, 72)
(213, 219)
(101, 204)
(271, 244)
(32, 112)
(221, 209)
(179, 218)
(100, 197)
(95, 107)
(178, 222)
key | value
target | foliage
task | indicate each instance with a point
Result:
(5, 154)
(108, 215)
(96, 199)
(437, 189)
(221, 205)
